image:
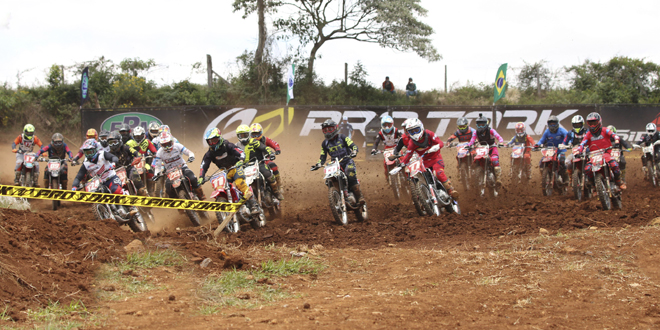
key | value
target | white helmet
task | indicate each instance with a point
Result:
(650, 128)
(138, 134)
(415, 128)
(166, 141)
(578, 123)
(154, 129)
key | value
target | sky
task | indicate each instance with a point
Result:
(474, 38)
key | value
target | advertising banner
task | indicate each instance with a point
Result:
(630, 120)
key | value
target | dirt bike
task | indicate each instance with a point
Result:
(225, 192)
(412, 184)
(464, 159)
(519, 175)
(26, 168)
(393, 180)
(608, 192)
(263, 192)
(129, 186)
(105, 211)
(484, 171)
(432, 194)
(652, 166)
(580, 190)
(551, 180)
(142, 169)
(53, 170)
(341, 200)
(183, 189)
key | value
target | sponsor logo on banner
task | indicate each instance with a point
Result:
(273, 122)
(133, 119)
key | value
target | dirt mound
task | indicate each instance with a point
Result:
(47, 258)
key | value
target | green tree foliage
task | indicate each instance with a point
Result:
(389, 23)
(535, 77)
(135, 66)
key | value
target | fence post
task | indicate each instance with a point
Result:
(209, 70)
(346, 73)
(445, 78)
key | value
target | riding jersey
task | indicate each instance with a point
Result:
(420, 147)
(555, 139)
(53, 153)
(600, 141)
(339, 147)
(226, 156)
(488, 136)
(573, 138)
(389, 140)
(142, 147)
(25, 145)
(103, 167)
(172, 158)
(649, 139)
(125, 154)
(463, 137)
(258, 150)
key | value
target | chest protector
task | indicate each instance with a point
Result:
(102, 167)
(389, 140)
(486, 137)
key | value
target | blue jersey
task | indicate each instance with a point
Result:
(553, 139)
(573, 138)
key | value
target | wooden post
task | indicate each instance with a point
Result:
(209, 70)
(62, 68)
(346, 73)
(445, 78)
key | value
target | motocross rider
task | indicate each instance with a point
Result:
(403, 141)
(554, 136)
(91, 134)
(622, 158)
(126, 155)
(243, 135)
(225, 154)
(57, 149)
(521, 137)
(338, 146)
(573, 138)
(125, 132)
(599, 137)
(652, 135)
(488, 135)
(24, 143)
(154, 130)
(103, 140)
(390, 136)
(101, 163)
(257, 135)
(143, 146)
(423, 140)
(169, 156)
(464, 133)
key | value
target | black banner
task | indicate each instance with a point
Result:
(630, 120)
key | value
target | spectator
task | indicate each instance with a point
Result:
(345, 128)
(388, 86)
(411, 88)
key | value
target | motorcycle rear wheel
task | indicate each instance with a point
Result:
(334, 197)
(650, 169)
(426, 199)
(192, 215)
(101, 212)
(602, 192)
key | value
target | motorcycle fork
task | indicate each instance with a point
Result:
(341, 185)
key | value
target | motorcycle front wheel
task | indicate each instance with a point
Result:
(426, 199)
(233, 226)
(55, 185)
(650, 170)
(465, 176)
(194, 217)
(602, 192)
(334, 197)
(137, 223)
(415, 194)
(577, 185)
(101, 212)
(546, 181)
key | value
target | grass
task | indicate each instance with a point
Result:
(238, 288)
(4, 315)
(57, 316)
(14, 203)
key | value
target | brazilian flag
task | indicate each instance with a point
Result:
(500, 83)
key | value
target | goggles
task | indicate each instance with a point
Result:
(213, 141)
(415, 130)
(243, 136)
(328, 129)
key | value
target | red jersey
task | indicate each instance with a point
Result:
(271, 143)
(428, 140)
(602, 141)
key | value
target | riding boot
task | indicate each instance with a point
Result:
(200, 193)
(276, 190)
(623, 175)
(252, 205)
(120, 211)
(450, 189)
(17, 178)
(621, 184)
(142, 192)
(645, 170)
(35, 180)
(358, 194)
(64, 184)
(498, 175)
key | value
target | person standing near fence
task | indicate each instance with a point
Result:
(345, 128)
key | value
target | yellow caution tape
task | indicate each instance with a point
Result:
(103, 198)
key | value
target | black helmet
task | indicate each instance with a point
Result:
(329, 128)
(114, 141)
(57, 141)
(125, 132)
(462, 124)
(103, 138)
(553, 124)
(595, 123)
(482, 123)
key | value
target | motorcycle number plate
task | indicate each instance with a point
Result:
(576, 151)
(250, 171)
(647, 150)
(121, 174)
(92, 185)
(482, 152)
(615, 153)
(548, 152)
(462, 152)
(331, 169)
(219, 181)
(174, 175)
(28, 158)
(387, 153)
(597, 159)
(517, 152)
(414, 167)
(53, 166)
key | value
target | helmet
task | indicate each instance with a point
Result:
(154, 129)
(612, 128)
(520, 130)
(594, 122)
(386, 124)
(329, 128)
(28, 132)
(650, 128)
(125, 132)
(57, 141)
(482, 123)
(138, 134)
(92, 134)
(90, 150)
(553, 124)
(462, 124)
(415, 128)
(166, 141)
(103, 138)
(165, 128)
(114, 141)
(213, 138)
(243, 134)
(256, 131)
(578, 124)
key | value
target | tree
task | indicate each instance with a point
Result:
(389, 23)
(136, 65)
(535, 76)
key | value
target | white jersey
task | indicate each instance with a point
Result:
(389, 140)
(173, 157)
(103, 167)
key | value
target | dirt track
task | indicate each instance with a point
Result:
(377, 256)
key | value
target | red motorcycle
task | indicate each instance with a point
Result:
(519, 176)
(550, 178)
(608, 192)
(581, 191)
(393, 180)
(464, 159)
(484, 171)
